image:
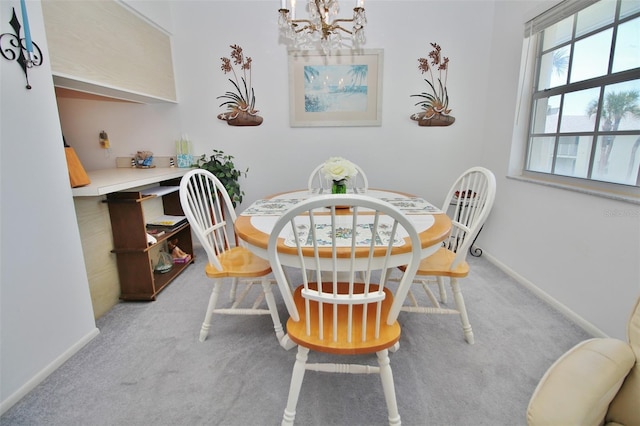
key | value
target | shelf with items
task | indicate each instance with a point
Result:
(136, 258)
(167, 234)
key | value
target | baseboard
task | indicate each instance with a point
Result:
(581, 322)
(45, 372)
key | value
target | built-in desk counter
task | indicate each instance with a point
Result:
(94, 224)
(107, 181)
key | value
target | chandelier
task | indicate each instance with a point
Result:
(322, 25)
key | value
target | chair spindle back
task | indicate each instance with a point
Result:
(334, 243)
(470, 199)
(209, 210)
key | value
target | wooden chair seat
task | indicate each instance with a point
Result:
(440, 263)
(388, 334)
(239, 262)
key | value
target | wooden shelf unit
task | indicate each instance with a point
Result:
(135, 258)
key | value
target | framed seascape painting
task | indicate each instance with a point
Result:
(339, 89)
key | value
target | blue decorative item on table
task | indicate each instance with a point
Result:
(184, 152)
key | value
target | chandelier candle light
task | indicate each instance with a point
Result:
(339, 170)
(322, 25)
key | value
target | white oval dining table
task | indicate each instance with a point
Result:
(254, 225)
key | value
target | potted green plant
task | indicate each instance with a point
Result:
(222, 166)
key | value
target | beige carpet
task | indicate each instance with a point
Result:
(147, 367)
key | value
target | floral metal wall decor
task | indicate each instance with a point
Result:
(241, 103)
(435, 102)
(13, 48)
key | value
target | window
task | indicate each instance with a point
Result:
(585, 103)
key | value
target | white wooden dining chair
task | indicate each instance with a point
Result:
(318, 183)
(469, 201)
(209, 210)
(340, 316)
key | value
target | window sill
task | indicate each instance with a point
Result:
(627, 198)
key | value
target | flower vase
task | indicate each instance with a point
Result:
(339, 187)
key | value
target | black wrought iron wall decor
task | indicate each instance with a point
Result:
(23, 50)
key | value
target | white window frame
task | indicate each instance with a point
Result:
(532, 50)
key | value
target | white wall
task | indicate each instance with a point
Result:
(582, 250)
(157, 12)
(562, 242)
(45, 307)
(130, 126)
(398, 154)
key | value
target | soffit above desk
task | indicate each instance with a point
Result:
(105, 48)
(73, 87)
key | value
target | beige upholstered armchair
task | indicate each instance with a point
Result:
(596, 382)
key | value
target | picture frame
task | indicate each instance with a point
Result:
(341, 88)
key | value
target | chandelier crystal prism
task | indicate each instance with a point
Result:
(322, 26)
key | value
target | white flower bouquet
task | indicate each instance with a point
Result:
(338, 169)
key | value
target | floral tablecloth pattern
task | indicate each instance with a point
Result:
(413, 205)
(271, 207)
(265, 213)
(344, 232)
(276, 206)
